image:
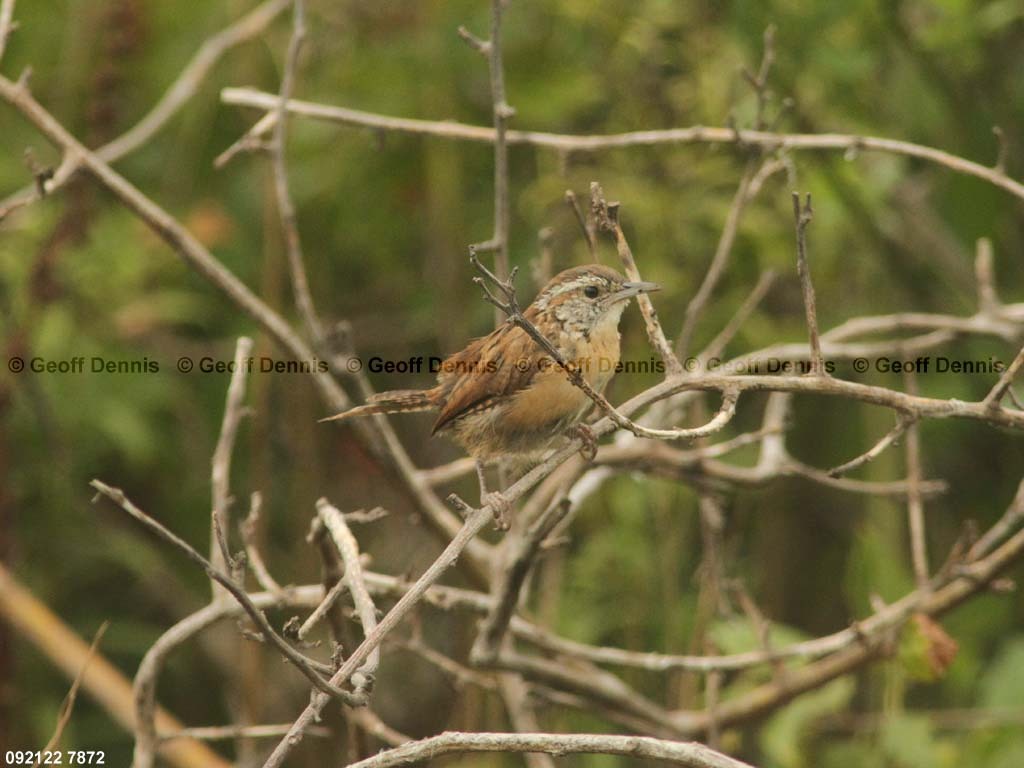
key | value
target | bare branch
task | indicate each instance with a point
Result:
(7, 24)
(303, 664)
(220, 479)
(252, 552)
(890, 438)
(480, 46)
(607, 215)
(718, 262)
(473, 525)
(802, 217)
(334, 521)
(995, 396)
(181, 91)
(692, 755)
(988, 299)
(915, 504)
(585, 228)
(285, 205)
(203, 262)
(502, 113)
(1006, 525)
(226, 732)
(521, 714)
(510, 579)
(771, 141)
(68, 705)
(1000, 165)
(105, 684)
(721, 341)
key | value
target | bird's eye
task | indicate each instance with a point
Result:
(591, 291)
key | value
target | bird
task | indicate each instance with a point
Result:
(503, 396)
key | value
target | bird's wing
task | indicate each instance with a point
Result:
(499, 364)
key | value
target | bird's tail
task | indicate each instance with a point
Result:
(397, 401)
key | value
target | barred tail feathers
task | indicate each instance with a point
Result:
(397, 401)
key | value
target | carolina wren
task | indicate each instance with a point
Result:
(503, 395)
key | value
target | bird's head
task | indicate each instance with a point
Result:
(582, 298)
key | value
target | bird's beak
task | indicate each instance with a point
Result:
(629, 290)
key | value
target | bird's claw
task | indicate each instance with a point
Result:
(502, 509)
(586, 435)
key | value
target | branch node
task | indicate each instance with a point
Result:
(1002, 150)
(482, 47)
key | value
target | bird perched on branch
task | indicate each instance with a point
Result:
(504, 395)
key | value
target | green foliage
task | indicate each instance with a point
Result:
(1003, 681)
(783, 737)
(386, 220)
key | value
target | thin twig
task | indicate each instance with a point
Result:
(1006, 525)
(721, 341)
(304, 665)
(510, 306)
(510, 579)
(802, 217)
(7, 24)
(334, 522)
(988, 299)
(249, 141)
(502, 112)
(770, 140)
(67, 706)
(719, 261)
(915, 503)
(459, 673)
(585, 228)
(321, 610)
(473, 525)
(902, 425)
(226, 732)
(516, 695)
(180, 92)
(252, 551)
(995, 396)
(285, 205)
(692, 755)
(759, 82)
(607, 215)
(1002, 149)
(220, 476)
(440, 519)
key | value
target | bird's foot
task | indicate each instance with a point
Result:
(501, 507)
(585, 434)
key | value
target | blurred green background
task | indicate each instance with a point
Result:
(386, 221)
